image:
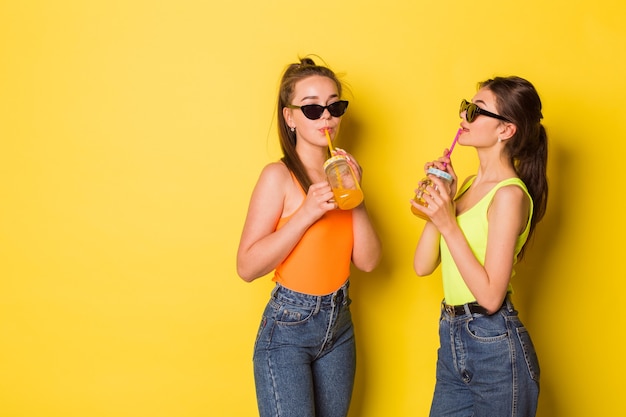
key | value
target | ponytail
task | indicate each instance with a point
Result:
(518, 101)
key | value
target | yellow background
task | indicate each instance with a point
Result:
(132, 133)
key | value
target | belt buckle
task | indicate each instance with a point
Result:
(449, 309)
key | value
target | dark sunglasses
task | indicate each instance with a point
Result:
(473, 111)
(315, 111)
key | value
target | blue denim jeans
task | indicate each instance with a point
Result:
(486, 366)
(304, 355)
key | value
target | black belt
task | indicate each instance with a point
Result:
(473, 308)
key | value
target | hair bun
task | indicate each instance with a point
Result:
(307, 61)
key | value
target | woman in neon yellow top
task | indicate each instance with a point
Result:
(486, 365)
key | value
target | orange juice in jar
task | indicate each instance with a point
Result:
(421, 190)
(343, 181)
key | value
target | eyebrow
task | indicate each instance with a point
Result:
(317, 97)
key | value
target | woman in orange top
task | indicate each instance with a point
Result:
(304, 355)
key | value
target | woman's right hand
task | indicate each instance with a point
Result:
(319, 199)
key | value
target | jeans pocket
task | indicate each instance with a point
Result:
(530, 355)
(487, 328)
(290, 315)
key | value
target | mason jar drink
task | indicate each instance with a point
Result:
(343, 181)
(421, 190)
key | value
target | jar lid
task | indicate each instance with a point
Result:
(441, 174)
(334, 159)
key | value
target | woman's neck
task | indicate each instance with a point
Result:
(313, 159)
(494, 167)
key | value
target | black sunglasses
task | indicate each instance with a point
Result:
(473, 111)
(315, 111)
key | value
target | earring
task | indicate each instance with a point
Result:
(499, 139)
(293, 129)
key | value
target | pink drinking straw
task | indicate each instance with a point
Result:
(458, 133)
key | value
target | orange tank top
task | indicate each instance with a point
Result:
(320, 262)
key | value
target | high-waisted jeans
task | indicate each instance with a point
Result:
(304, 355)
(486, 366)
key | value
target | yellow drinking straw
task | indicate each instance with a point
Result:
(330, 143)
(330, 146)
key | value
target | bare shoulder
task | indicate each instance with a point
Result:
(274, 175)
(512, 202)
(275, 171)
(268, 197)
(511, 193)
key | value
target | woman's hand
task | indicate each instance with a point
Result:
(319, 199)
(445, 164)
(358, 171)
(441, 208)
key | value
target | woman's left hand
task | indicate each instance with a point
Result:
(441, 206)
(358, 171)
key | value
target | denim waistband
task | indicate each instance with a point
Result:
(297, 298)
(473, 308)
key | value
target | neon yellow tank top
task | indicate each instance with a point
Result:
(475, 226)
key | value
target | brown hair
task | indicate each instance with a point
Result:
(294, 73)
(527, 149)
